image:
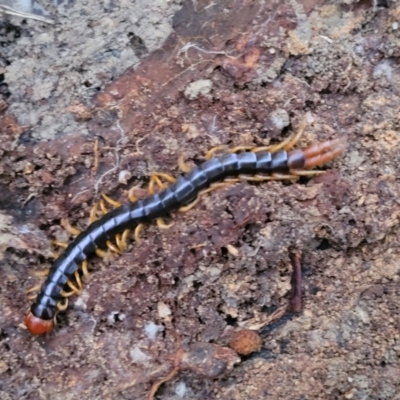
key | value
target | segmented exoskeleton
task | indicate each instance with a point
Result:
(261, 165)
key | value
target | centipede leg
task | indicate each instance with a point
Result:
(100, 253)
(69, 228)
(113, 247)
(306, 173)
(93, 213)
(60, 244)
(136, 233)
(121, 240)
(72, 287)
(78, 280)
(182, 164)
(85, 268)
(62, 306)
(273, 177)
(67, 294)
(110, 201)
(162, 225)
(212, 187)
(155, 179)
(131, 197)
(189, 206)
(34, 288)
(103, 207)
(211, 153)
(289, 142)
(41, 274)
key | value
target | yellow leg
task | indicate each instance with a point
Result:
(69, 228)
(85, 268)
(189, 206)
(212, 187)
(101, 253)
(273, 177)
(241, 148)
(41, 274)
(136, 233)
(78, 280)
(34, 288)
(121, 240)
(217, 185)
(155, 180)
(232, 180)
(93, 213)
(61, 306)
(72, 287)
(162, 225)
(290, 141)
(306, 173)
(103, 207)
(167, 177)
(131, 197)
(110, 201)
(211, 153)
(67, 294)
(113, 247)
(182, 165)
(60, 244)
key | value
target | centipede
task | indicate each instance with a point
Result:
(277, 162)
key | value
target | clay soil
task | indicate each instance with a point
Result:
(113, 91)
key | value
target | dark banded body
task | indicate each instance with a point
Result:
(182, 192)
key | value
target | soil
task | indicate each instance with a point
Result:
(113, 91)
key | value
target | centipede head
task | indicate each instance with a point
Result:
(37, 326)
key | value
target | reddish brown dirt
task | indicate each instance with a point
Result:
(271, 65)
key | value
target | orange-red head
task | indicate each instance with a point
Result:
(37, 326)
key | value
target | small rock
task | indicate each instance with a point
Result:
(245, 342)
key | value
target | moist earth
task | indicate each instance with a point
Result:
(114, 91)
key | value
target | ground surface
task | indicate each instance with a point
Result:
(74, 124)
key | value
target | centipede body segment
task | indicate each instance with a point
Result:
(183, 191)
